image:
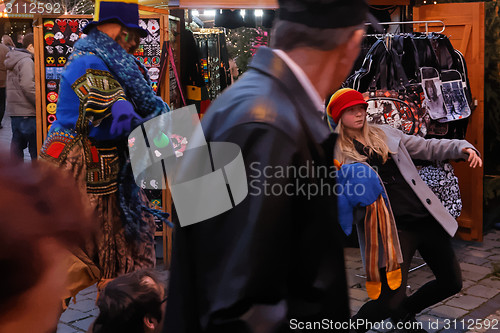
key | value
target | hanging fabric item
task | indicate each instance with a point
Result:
(192, 72)
(170, 56)
(418, 83)
(432, 89)
(214, 61)
(454, 98)
(423, 69)
(379, 223)
(441, 179)
(395, 109)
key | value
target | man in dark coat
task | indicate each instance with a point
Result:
(274, 263)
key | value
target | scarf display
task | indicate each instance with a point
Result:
(126, 69)
(379, 223)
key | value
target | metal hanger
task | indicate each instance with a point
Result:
(410, 22)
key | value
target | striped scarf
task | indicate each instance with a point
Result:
(378, 218)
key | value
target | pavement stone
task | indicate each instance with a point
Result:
(475, 268)
(481, 291)
(494, 322)
(63, 328)
(488, 310)
(474, 276)
(466, 302)
(474, 260)
(71, 315)
(358, 294)
(479, 253)
(431, 323)
(495, 257)
(83, 324)
(84, 305)
(492, 282)
(467, 283)
(446, 311)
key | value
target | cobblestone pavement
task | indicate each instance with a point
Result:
(475, 309)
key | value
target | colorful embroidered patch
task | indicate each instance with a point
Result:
(55, 149)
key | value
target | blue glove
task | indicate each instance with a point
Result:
(360, 186)
(124, 118)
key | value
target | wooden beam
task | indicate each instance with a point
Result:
(231, 4)
(261, 4)
(153, 10)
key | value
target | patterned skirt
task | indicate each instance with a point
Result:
(96, 174)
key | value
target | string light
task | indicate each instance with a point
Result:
(209, 13)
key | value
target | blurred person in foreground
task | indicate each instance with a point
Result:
(275, 261)
(20, 98)
(42, 219)
(105, 93)
(132, 303)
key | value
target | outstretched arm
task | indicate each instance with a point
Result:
(474, 160)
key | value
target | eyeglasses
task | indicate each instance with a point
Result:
(164, 300)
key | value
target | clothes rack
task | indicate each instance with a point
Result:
(413, 22)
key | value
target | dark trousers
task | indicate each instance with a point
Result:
(23, 135)
(434, 245)
(2, 104)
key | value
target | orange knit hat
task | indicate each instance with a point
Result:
(341, 100)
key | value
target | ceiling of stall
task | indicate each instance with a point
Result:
(241, 4)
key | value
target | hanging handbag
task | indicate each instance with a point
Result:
(441, 179)
(454, 97)
(394, 106)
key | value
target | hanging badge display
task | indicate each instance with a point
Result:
(51, 108)
(154, 73)
(51, 85)
(52, 97)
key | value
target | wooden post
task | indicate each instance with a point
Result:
(39, 81)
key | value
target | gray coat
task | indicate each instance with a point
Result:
(404, 148)
(20, 83)
(407, 147)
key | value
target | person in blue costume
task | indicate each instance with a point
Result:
(104, 93)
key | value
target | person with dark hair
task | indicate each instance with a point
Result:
(43, 217)
(131, 303)
(275, 260)
(21, 100)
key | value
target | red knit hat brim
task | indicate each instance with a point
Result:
(342, 100)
